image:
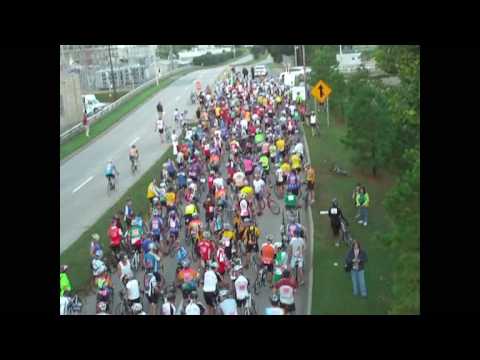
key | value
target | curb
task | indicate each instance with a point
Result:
(310, 218)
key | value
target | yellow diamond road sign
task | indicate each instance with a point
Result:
(321, 91)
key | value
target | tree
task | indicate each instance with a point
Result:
(257, 50)
(276, 51)
(403, 205)
(368, 130)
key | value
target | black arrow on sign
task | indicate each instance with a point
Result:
(320, 87)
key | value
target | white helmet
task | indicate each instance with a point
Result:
(137, 307)
(277, 245)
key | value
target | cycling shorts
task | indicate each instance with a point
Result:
(296, 259)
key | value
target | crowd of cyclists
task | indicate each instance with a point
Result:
(204, 210)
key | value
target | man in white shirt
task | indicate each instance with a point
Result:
(241, 287)
(228, 305)
(168, 308)
(299, 149)
(218, 182)
(297, 248)
(174, 142)
(192, 308)
(259, 187)
(209, 288)
(133, 289)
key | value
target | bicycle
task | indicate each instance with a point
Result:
(336, 170)
(250, 306)
(74, 306)
(271, 203)
(260, 280)
(112, 186)
(346, 236)
(134, 164)
(123, 307)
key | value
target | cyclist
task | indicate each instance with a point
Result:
(267, 254)
(336, 216)
(95, 244)
(296, 162)
(293, 182)
(275, 309)
(133, 154)
(65, 284)
(209, 207)
(115, 234)
(241, 287)
(290, 201)
(135, 234)
(296, 250)
(160, 110)
(98, 266)
(124, 267)
(228, 239)
(206, 249)
(171, 199)
(102, 308)
(187, 279)
(132, 288)
(189, 212)
(174, 228)
(259, 186)
(156, 226)
(311, 182)
(153, 285)
(137, 309)
(128, 213)
(281, 261)
(194, 307)
(168, 307)
(228, 305)
(265, 163)
(152, 259)
(286, 287)
(160, 127)
(152, 191)
(250, 239)
(110, 173)
(210, 282)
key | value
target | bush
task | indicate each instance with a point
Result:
(210, 59)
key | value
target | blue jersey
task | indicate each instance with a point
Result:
(181, 254)
(145, 245)
(181, 179)
(110, 169)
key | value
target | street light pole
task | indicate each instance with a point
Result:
(295, 49)
(111, 72)
(305, 76)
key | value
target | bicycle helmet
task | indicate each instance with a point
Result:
(193, 295)
(335, 202)
(269, 238)
(213, 265)
(227, 226)
(137, 307)
(278, 245)
(63, 268)
(274, 299)
(286, 274)
(98, 254)
(101, 307)
(152, 246)
(237, 268)
(185, 263)
(223, 294)
(96, 237)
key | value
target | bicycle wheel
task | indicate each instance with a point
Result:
(109, 188)
(119, 309)
(273, 206)
(253, 310)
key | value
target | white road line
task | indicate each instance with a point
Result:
(82, 184)
(134, 141)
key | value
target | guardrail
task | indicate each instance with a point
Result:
(78, 128)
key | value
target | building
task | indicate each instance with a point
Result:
(71, 107)
(350, 60)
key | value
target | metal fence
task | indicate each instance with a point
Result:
(92, 119)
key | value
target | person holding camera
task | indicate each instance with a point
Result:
(355, 265)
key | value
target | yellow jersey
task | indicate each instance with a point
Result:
(285, 167)
(229, 234)
(170, 198)
(150, 191)
(280, 145)
(296, 161)
(190, 209)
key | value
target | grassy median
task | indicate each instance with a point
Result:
(332, 288)
(77, 255)
(103, 124)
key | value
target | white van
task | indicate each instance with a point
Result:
(92, 105)
(260, 70)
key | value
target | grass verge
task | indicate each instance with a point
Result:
(77, 256)
(104, 96)
(103, 124)
(332, 286)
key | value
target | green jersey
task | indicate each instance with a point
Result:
(259, 138)
(290, 200)
(265, 162)
(273, 150)
(65, 284)
(135, 233)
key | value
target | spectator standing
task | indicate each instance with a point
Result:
(362, 202)
(355, 264)
(86, 123)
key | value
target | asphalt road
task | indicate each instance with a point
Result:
(268, 223)
(83, 196)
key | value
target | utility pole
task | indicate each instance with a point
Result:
(155, 59)
(305, 75)
(111, 72)
(295, 49)
(170, 55)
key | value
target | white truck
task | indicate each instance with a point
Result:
(260, 70)
(92, 105)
